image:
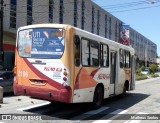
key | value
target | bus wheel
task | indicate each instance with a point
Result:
(98, 97)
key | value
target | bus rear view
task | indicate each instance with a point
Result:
(63, 63)
(39, 70)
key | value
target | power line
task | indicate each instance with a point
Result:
(134, 9)
(113, 8)
(124, 6)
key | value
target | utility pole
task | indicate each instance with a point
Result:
(1, 34)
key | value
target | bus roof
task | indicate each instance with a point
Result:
(44, 25)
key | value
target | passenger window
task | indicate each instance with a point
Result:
(104, 55)
(127, 59)
(77, 50)
(85, 52)
(121, 58)
(94, 51)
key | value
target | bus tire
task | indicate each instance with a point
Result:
(98, 97)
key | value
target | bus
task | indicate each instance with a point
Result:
(59, 62)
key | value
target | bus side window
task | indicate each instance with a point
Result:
(127, 59)
(124, 59)
(104, 55)
(121, 58)
(94, 53)
(85, 52)
(77, 50)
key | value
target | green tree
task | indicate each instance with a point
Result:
(142, 68)
(138, 70)
(153, 68)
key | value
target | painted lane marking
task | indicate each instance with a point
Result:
(34, 106)
(116, 112)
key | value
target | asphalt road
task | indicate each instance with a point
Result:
(137, 105)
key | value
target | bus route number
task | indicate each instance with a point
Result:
(23, 74)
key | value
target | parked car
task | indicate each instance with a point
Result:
(6, 81)
(145, 71)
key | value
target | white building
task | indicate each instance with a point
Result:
(158, 61)
(83, 14)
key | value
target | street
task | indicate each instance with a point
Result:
(144, 100)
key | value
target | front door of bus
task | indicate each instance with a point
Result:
(113, 72)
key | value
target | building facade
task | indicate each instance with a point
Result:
(83, 14)
(158, 61)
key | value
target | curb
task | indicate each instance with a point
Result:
(151, 78)
(147, 80)
(1, 94)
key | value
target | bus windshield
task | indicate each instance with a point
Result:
(41, 43)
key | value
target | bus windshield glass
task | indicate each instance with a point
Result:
(41, 43)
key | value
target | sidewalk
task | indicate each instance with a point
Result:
(158, 73)
(147, 80)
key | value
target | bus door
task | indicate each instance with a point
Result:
(113, 55)
(132, 83)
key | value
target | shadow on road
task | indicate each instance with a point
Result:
(57, 110)
(125, 102)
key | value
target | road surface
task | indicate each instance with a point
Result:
(134, 108)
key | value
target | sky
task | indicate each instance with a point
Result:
(141, 15)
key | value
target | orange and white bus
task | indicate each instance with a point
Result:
(59, 62)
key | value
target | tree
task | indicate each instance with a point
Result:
(153, 68)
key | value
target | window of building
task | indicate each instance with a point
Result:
(77, 50)
(98, 22)
(75, 13)
(119, 29)
(121, 58)
(93, 12)
(51, 3)
(106, 26)
(104, 55)
(29, 12)
(83, 17)
(61, 11)
(116, 27)
(110, 27)
(13, 14)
